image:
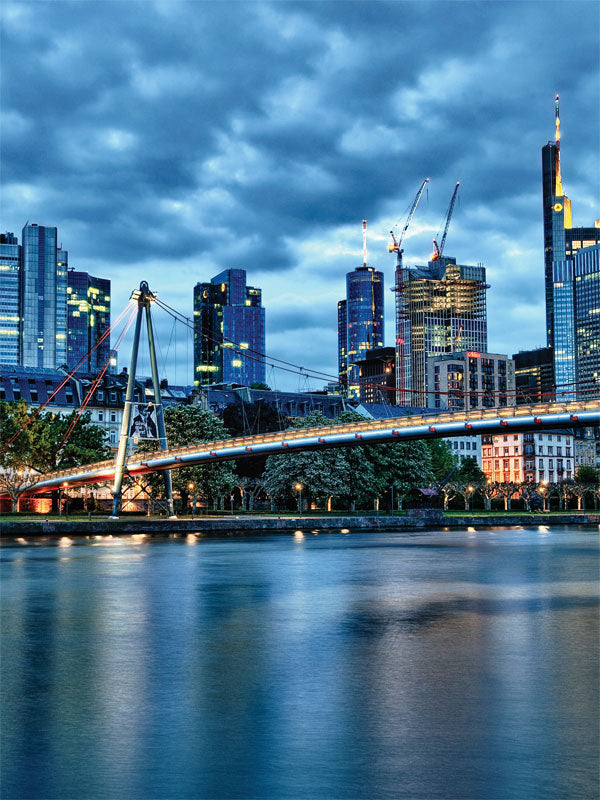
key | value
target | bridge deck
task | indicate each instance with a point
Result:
(446, 424)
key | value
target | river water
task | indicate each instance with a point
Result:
(368, 665)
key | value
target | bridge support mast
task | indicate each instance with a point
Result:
(144, 298)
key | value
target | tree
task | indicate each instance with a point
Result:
(37, 445)
(260, 385)
(186, 425)
(247, 419)
(469, 472)
(321, 473)
(442, 460)
(588, 475)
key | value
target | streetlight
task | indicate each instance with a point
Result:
(470, 490)
(65, 484)
(298, 488)
(191, 487)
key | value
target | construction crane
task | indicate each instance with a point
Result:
(437, 251)
(396, 246)
(403, 350)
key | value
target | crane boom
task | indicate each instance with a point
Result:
(397, 245)
(437, 251)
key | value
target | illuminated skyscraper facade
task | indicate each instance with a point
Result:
(10, 265)
(441, 309)
(229, 336)
(360, 323)
(43, 298)
(577, 325)
(561, 242)
(88, 318)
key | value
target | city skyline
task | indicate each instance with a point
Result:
(272, 167)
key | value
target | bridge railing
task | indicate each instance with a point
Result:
(431, 419)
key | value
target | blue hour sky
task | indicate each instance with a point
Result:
(170, 140)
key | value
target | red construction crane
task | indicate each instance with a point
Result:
(437, 251)
(396, 246)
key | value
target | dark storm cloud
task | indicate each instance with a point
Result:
(205, 135)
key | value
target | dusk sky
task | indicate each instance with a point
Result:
(168, 141)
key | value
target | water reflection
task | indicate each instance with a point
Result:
(378, 665)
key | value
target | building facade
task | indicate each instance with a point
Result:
(360, 322)
(440, 309)
(43, 298)
(534, 375)
(464, 381)
(518, 457)
(561, 243)
(229, 336)
(377, 376)
(10, 266)
(88, 319)
(587, 322)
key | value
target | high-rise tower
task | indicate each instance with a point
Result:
(88, 318)
(561, 239)
(360, 320)
(230, 331)
(43, 298)
(10, 265)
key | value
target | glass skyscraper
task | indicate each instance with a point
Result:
(576, 299)
(229, 339)
(10, 264)
(88, 318)
(561, 239)
(360, 323)
(43, 298)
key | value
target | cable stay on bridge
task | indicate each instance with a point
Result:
(71, 374)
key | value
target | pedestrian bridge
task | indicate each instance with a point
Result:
(431, 425)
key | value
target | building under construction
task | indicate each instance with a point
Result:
(440, 309)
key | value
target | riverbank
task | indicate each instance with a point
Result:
(257, 525)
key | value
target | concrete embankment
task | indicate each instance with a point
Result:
(255, 526)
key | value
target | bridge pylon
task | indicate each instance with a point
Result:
(144, 299)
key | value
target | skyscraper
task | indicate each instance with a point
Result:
(576, 296)
(10, 264)
(43, 298)
(88, 318)
(230, 331)
(561, 239)
(440, 309)
(360, 319)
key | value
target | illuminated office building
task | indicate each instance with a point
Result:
(43, 298)
(229, 336)
(360, 323)
(534, 375)
(10, 265)
(561, 243)
(440, 309)
(467, 380)
(88, 318)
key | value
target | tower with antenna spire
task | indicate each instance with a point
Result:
(562, 242)
(360, 319)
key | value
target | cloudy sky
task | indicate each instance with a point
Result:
(169, 140)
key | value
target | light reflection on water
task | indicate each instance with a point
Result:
(450, 665)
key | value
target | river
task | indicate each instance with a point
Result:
(364, 665)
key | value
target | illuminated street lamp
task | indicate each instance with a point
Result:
(298, 488)
(191, 486)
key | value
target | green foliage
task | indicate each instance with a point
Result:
(260, 385)
(356, 474)
(469, 472)
(442, 460)
(39, 445)
(587, 475)
(187, 425)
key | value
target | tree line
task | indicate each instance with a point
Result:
(351, 478)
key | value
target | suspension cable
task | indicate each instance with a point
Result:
(39, 409)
